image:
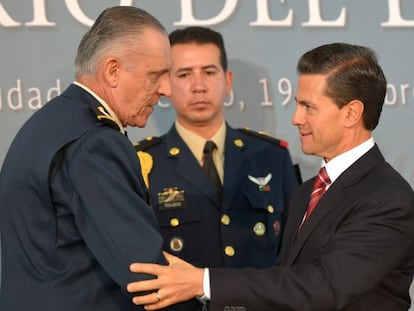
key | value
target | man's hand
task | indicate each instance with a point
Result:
(177, 282)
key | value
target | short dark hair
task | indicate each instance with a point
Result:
(200, 35)
(353, 73)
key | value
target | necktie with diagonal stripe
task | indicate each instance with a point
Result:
(319, 188)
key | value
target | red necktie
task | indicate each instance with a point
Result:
(319, 188)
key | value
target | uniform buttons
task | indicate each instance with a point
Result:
(229, 251)
(225, 219)
(174, 222)
(238, 142)
(270, 209)
(259, 229)
(174, 151)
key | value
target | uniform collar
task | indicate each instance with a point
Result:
(104, 104)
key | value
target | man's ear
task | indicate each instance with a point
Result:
(111, 71)
(353, 112)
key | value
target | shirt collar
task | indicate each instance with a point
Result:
(196, 142)
(340, 163)
(103, 103)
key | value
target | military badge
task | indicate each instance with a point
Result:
(259, 229)
(262, 182)
(276, 227)
(176, 244)
(103, 116)
(171, 198)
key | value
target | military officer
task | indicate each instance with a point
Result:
(239, 225)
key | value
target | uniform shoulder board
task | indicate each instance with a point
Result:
(264, 136)
(146, 143)
(105, 118)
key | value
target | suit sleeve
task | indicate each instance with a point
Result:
(107, 201)
(374, 239)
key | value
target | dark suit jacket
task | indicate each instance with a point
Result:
(355, 252)
(248, 220)
(74, 212)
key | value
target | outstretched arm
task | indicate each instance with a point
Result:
(177, 282)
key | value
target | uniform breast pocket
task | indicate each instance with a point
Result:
(265, 217)
(177, 226)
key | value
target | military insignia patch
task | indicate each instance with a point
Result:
(171, 198)
(176, 244)
(106, 118)
(262, 182)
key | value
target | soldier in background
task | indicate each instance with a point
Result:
(229, 213)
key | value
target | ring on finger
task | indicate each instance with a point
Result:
(158, 296)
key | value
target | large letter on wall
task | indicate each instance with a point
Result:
(188, 19)
(394, 18)
(77, 13)
(315, 19)
(263, 18)
(6, 20)
(39, 14)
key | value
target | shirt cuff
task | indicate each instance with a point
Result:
(206, 286)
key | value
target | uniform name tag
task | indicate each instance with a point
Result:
(171, 198)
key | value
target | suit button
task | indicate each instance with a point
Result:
(270, 209)
(174, 222)
(229, 251)
(225, 219)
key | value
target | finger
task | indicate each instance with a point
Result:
(148, 299)
(143, 268)
(170, 258)
(151, 302)
(142, 286)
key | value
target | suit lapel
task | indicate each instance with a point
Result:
(329, 203)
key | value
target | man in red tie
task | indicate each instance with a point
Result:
(355, 251)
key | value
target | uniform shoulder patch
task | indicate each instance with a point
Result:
(146, 143)
(264, 136)
(105, 118)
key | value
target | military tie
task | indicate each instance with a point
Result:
(319, 188)
(210, 168)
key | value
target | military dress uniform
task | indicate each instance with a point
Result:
(244, 227)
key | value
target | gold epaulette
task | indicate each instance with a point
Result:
(147, 143)
(264, 136)
(105, 118)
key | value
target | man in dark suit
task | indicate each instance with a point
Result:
(355, 250)
(74, 208)
(241, 226)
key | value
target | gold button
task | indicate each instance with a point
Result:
(259, 229)
(270, 209)
(174, 222)
(149, 138)
(174, 151)
(225, 219)
(229, 251)
(238, 142)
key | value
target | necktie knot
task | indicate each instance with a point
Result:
(209, 147)
(322, 180)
